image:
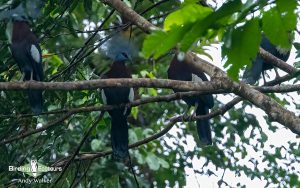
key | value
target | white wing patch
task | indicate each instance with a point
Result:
(196, 78)
(131, 95)
(35, 54)
(282, 51)
(103, 97)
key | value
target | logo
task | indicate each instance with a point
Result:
(34, 169)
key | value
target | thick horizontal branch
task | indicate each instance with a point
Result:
(206, 87)
(169, 125)
(163, 98)
(102, 83)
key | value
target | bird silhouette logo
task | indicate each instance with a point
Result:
(34, 168)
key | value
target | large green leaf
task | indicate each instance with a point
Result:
(244, 46)
(189, 13)
(160, 42)
(280, 21)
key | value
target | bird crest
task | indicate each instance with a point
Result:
(119, 48)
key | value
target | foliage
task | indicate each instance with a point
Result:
(64, 27)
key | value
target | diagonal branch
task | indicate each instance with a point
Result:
(82, 49)
(28, 133)
(277, 62)
(130, 15)
(274, 110)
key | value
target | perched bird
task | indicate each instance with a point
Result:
(259, 65)
(119, 50)
(179, 70)
(27, 53)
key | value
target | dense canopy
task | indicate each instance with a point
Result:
(255, 129)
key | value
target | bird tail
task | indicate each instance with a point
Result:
(36, 101)
(203, 127)
(253, 72)
(119, 137)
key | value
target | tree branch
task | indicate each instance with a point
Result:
(164, 98)
(207, 87)
(102, 83)
(277, 62)
(70, 112)
(172, 122)
(274, 110)
(282, 79)
(78, 148)
(130, 14)
(28, 133)
(82, 49)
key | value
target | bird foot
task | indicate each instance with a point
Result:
(276, 75)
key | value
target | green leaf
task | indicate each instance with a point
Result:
(88, 6)
(160, 42)
(96, 145)
(297, 45)
(297, 64)
(228, 9)
(264, 137)
(152, 41)
(112, 182)
(152, 161)
(208, 21)
(163, 163)
(280, 21)
(140, 158)
(152, 92)
(188, 14)
(132, 136)
(190, 37)
(134, 112)
(245, 42)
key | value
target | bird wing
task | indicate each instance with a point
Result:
(208, 100)
(33, 52)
